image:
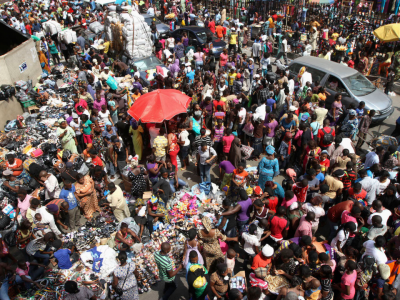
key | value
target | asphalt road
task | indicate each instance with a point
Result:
(191, 177)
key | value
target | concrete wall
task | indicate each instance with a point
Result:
(11, 61)
(10, 73)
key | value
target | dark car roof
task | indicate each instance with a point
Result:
(194, 28)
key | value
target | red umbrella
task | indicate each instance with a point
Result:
(159, 105)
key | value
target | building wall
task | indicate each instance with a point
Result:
(10, 73)
(24, 53)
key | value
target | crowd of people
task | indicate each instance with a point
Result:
(330, 229)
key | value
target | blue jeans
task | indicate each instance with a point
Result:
(45, 257)
(4, 290)
(199, 65)
(270, 31)
(153, 180)
(240, 225)
(172, 184)
(111, 168)
(205, 172)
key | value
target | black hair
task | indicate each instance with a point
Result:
(380, 241)
(57, 244)
(324, 188)
(305, 271)
(326, 271)
(252, 229)
(253, 293)
(306, 240)
(192, 234)
(234, 294)
(323, 257)
(193, 254)
(221, 268)
(122, 256)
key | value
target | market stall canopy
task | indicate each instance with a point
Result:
(159, 105)
(388, 33)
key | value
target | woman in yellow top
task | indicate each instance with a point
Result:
(136, 131)
(271, 25)
(43, 62)
(323, 94)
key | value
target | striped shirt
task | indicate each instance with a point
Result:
(164, 265)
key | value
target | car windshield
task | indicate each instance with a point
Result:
(147, 63)
(149, 20)
(202, 35)
(359, 85)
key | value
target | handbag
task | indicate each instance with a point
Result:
(212, 160)
(118, 290)
(37, 153)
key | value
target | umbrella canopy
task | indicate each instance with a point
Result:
(159, 105)
(388, 33)
(385, 141)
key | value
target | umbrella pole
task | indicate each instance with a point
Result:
(166, 130)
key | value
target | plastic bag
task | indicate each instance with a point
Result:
(112, 83)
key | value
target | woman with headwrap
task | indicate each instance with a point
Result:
(268, 167)
(209, 239)
(235, 153)
(67, 137)
(389, 199)
(44, 62)
(155, 211)
(285, 150)
(174, 68)
(365, 271)
(108, 132)
(277, 189)
(391, 159)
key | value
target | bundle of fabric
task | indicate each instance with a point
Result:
(67, 36)
(129, 33)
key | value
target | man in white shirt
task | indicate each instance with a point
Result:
(371, 186)
(48, 218)
(373, 157)
(307, 49)
(283, 52)
(379, 211)
(117, 202)
(307, 77)
(50, 182)
(375, 249)
(150, 11)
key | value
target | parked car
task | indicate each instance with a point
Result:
(353, 86)
(161, 27)
(144, 64)
(198, 38)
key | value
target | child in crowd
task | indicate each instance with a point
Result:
(40, 228)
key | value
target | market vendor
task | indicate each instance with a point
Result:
(156, 211)
(24, 201)
(28, 272)
(117, 202)
(47, 213)
(15, 165)
(74, 293)
(50, 183)
(125, 238)
(61, 215)
(11, 181)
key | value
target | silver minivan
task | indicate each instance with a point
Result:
(353, 86)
